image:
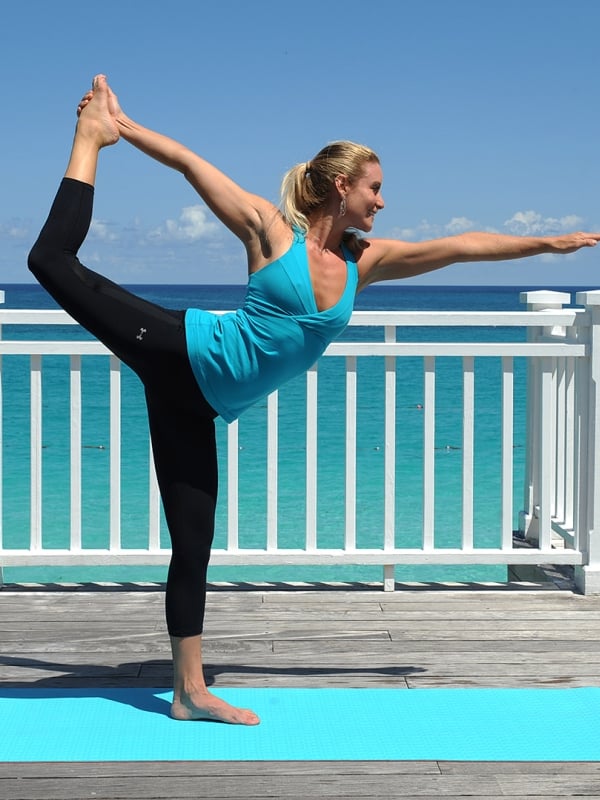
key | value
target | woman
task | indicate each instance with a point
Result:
(305, 270)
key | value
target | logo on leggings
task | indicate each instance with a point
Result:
(140, 335)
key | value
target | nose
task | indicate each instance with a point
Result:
(380, 202)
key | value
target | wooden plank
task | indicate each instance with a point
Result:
(497, 682)
(549, 785)
(263, 785)
(589, 769)
(192, 769)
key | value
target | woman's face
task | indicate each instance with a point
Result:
(363, 198)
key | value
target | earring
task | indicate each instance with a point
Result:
(342, 211)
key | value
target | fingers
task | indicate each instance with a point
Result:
(575, 241)
(587, 239)
(96, 82)
(84, 101)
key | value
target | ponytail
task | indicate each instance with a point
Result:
(307, 186)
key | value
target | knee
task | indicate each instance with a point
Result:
(39, 259)
(51, 265)
(190, 559)
(33, 259)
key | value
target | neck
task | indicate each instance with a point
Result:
(325, 231)
(323, 245)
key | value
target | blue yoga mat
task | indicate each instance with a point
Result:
(305, 725)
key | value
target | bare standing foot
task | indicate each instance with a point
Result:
(204, 705)
(191, 698)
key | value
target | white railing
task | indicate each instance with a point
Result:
(545, 382)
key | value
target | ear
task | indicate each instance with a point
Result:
(342, 184)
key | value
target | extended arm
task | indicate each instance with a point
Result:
(242, 212)
(251, 218)
(388, 259)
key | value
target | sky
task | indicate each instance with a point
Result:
(485, 115)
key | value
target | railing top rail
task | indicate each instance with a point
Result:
(64, 347)
(544, 317)
(37, 316)
(515, 349)
(341, 348)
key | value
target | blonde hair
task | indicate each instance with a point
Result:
(307, 186)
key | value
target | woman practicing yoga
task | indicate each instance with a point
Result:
(305, 269)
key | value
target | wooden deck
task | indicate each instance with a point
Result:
(525, 634)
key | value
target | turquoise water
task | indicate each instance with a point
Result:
(252, 454)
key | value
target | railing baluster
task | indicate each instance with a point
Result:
(311, 458)
(580, 461)
(429, 454)
(233, 452)
(272, 469)
(350, 482)
(561, 443)
(115, 453)
(570, 447)
(36, 453)
(545, 466)
(468, 451)
(76, 444)
(554, 436)
(507, 452)
(390, 443)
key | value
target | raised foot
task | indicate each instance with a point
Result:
(205, 706)
(95, 120)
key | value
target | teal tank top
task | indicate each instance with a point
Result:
(240, 357)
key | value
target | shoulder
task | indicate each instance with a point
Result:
(382, 259)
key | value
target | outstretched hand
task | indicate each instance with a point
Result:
(571, 242)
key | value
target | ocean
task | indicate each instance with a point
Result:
(15, 426)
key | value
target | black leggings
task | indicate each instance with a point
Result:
(150, 340)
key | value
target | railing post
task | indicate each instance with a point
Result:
(528, 517)
(587, 576)
(1, 451)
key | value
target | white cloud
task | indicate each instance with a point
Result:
(102, 230)
(459, 225)
(532, 223)
(522, 223)
(424, 230)
(193, 224)
(432, 230)
(14, 230)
